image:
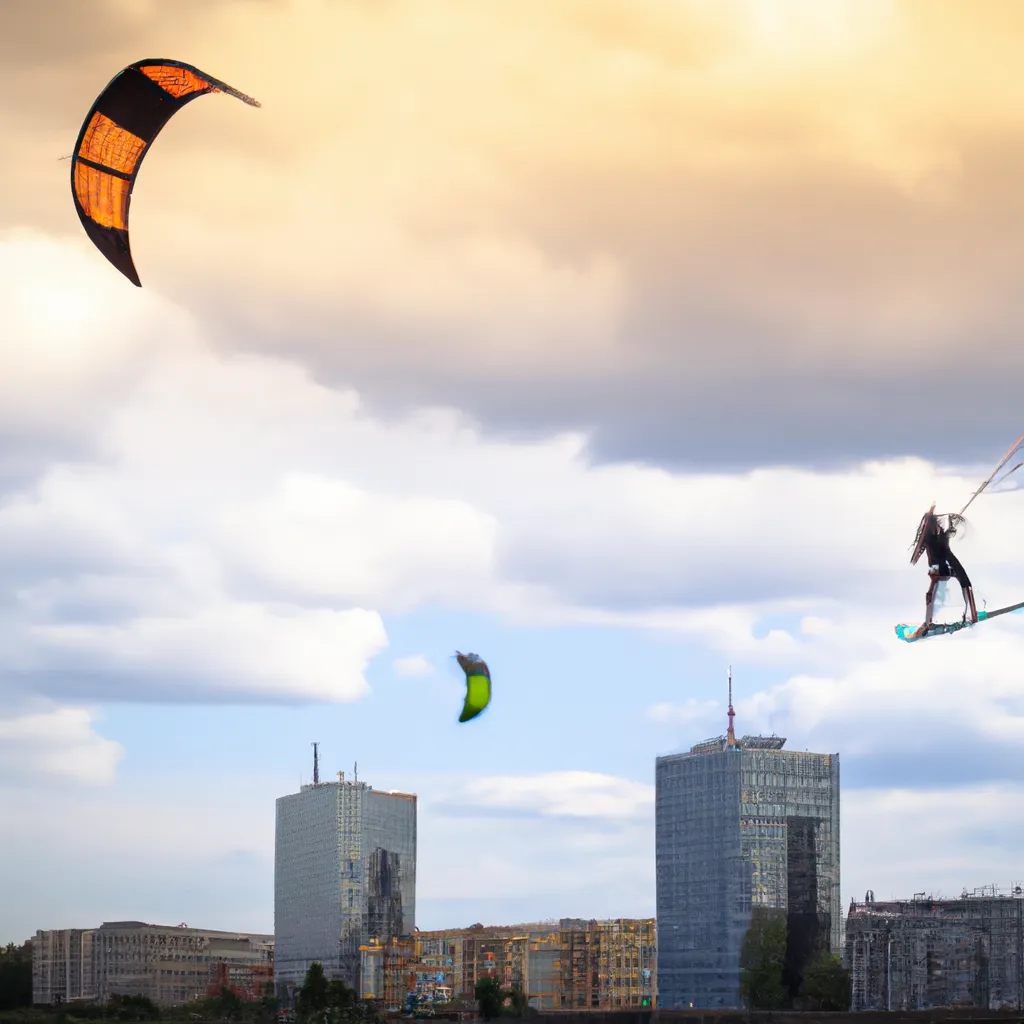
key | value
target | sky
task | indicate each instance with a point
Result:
(619, 342)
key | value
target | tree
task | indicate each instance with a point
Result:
(490, 997)
(312, 997)
(15, 976)
(762, 961)
(827, 984)
(331, 1002)
(229, 1004)
(518, 1004)
(122, 1007)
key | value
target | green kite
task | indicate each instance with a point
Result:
(478, 685)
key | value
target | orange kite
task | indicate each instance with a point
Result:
(116, 135)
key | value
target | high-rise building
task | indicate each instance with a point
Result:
(742, 825)
(344, 874)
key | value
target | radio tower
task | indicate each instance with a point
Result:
(731, 735)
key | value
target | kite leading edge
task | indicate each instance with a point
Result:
(115, 137)
(478, 685)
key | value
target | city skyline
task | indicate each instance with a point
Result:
(614, 378)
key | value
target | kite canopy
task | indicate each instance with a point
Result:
(478, 685)
(115, 137)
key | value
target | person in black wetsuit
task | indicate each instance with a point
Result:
(933, 537)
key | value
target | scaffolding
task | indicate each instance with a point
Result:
(607, 965)
(556, 965)
(926, 953)
(742, 825)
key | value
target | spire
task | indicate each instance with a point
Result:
(316, 764)
(731, 740)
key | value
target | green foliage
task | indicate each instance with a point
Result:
(15, 976)
(229, 1004)
(312, 997)
(489, 997)
(827, 984)
(494, 1001)
(331, 1002)
(762, 961)
(517, 1003)
(131, 1008)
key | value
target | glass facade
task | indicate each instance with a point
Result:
(739, 825)
(344, 873)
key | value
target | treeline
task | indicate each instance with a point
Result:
(779, 973)
(15, 976)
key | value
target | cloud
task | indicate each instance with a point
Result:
(571, 794)
(51, 744)
(415, 666)
(941, 840)
(224, 651)
(73, 345)
(612, 253)
(231, 497)
(692, 712)
(392, 337)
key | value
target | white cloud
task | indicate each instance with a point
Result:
(414, 666)
(74, 341)
(227, 649)
(328, 539)
(859, 690)
(692, 712)
(574, 794)
(55, 744)
(941, 840)
(245, 527)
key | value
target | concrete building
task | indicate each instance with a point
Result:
(167, 964)
(924, 953)
(739, 825)
(344, 874)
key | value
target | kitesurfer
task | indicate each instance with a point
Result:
(933, 537)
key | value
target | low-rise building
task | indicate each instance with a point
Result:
(556, 965)
(166, 964)
(923, 953)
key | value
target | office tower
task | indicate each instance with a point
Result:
(741, 825)
(344, 874)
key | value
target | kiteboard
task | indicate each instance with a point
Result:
(904, 629)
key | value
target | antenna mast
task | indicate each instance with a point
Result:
(731, 741)
(316, 764)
